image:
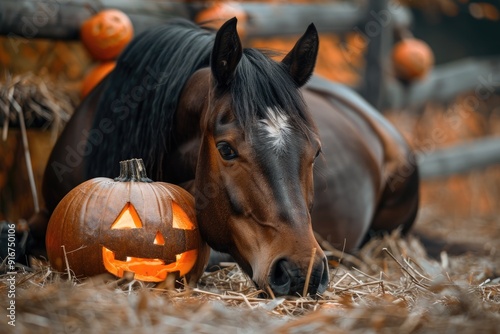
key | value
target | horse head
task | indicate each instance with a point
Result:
(254, 172)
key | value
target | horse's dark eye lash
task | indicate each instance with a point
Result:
(317, 153)
(226, 151)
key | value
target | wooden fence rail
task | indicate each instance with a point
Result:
(460, 158)
(478, 75)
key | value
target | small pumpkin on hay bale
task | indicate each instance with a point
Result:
(105, 35)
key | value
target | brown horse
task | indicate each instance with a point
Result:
(234, 128)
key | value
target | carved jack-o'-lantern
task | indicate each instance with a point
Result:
(129, 224)
(107, 33)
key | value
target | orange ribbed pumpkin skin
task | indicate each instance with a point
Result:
(95, 76)
(412, 58)
(106, 34)
(148, 228)
(215, 15)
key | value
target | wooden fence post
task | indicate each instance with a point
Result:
(377, 31)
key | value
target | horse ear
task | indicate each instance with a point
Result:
(301, 59)
(226, 53)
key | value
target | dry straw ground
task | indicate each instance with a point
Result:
(398, 288)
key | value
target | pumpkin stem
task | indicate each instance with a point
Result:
(133, 170)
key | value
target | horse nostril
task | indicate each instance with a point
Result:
(286, 278)
(319, 278)
(325, 277)
(279, 279)
(280, 276)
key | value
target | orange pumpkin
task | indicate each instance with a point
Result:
(106, 34)
(214, 16)
(412, 58)
(95, 76)
(129, 224)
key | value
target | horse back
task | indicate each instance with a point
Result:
(67, 162)
(368, 179)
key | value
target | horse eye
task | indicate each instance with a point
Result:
(317, 154)
(226, 151)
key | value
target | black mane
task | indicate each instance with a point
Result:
(261, 83)
(141, 94)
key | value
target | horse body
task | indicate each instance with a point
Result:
(67, 167)
(239, 136)
(367, 181)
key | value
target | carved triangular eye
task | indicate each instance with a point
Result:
(180, 219)
(128, 218)
(159, 239)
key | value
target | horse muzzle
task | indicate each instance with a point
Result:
(287, 278)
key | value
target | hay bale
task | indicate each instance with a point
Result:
(33, 111)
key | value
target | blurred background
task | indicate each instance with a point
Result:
(432, 67)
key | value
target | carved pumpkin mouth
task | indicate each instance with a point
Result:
(150, 270)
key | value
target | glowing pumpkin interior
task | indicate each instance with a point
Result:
(151, 270)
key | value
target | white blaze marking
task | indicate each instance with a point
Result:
(275, 128)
